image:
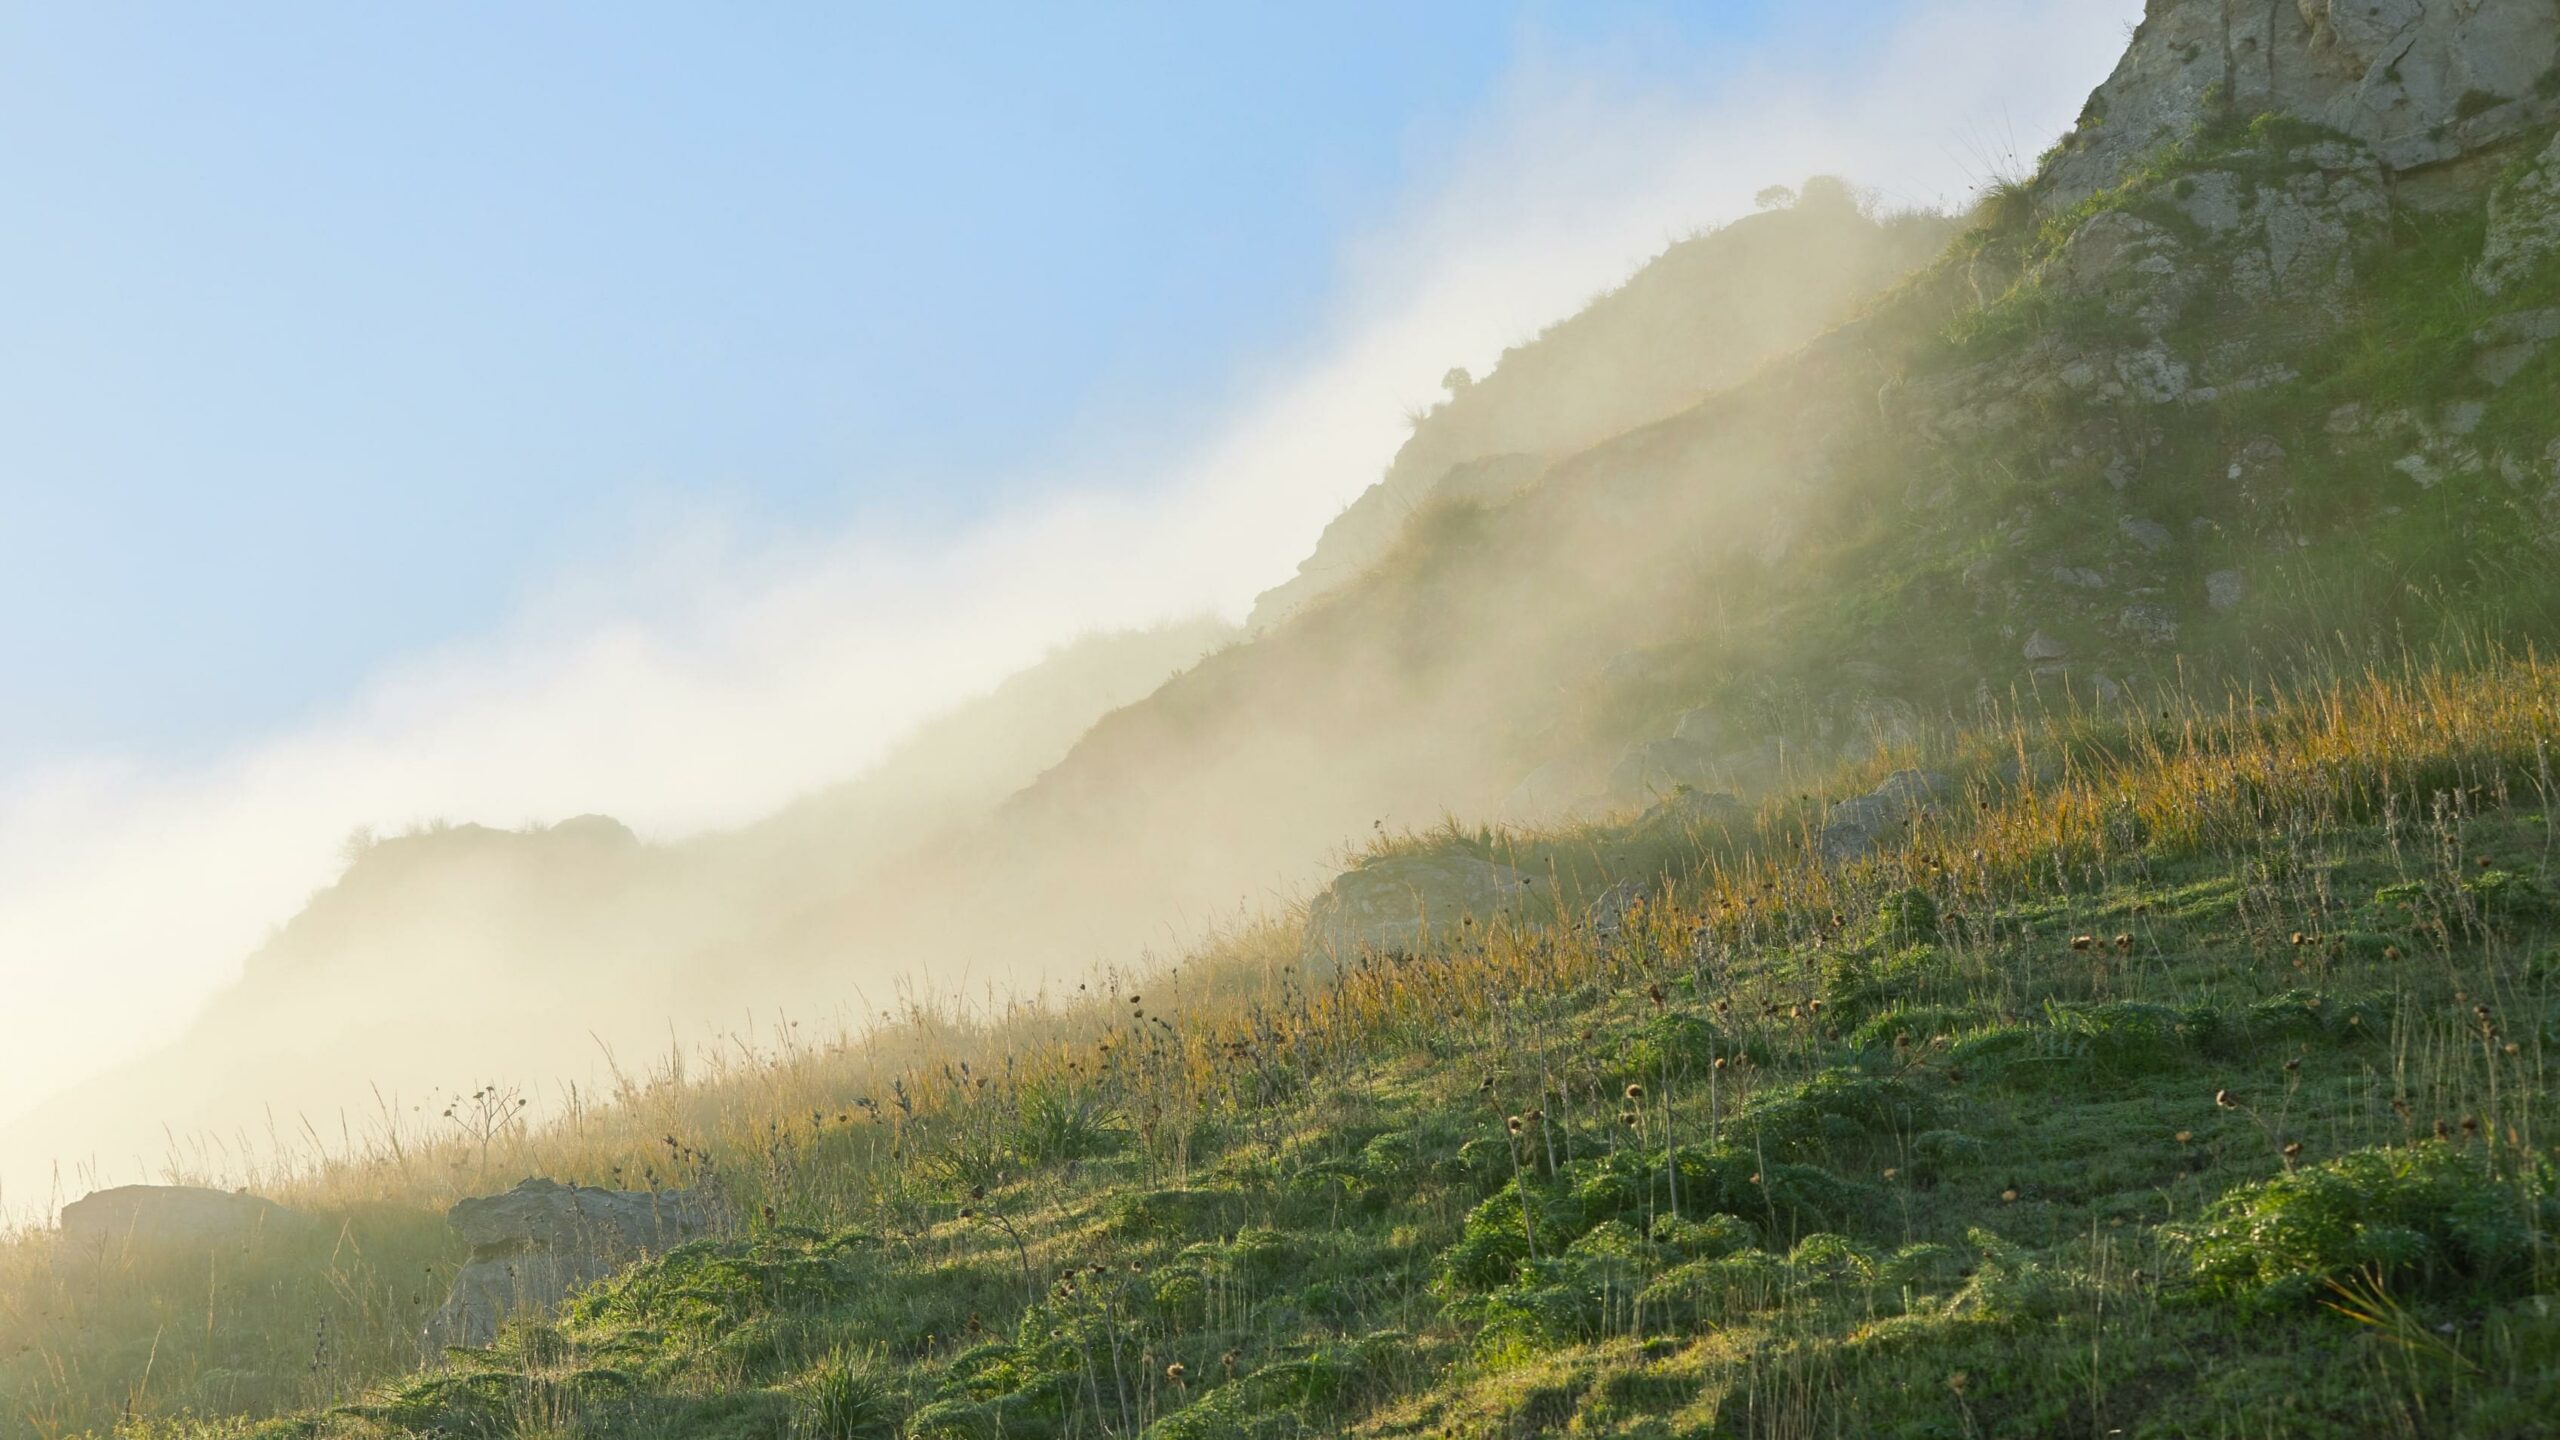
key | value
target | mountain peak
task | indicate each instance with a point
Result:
(2419, 82)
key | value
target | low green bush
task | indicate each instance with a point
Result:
(2433, 1219)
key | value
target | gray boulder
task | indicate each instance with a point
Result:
(2042, 649)
(145, 1219)
(2225, 589)
(536, 1243)
(1404, 904)
(1856, 827)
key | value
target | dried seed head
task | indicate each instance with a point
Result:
(1635, 1091)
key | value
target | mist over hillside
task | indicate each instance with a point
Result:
(550, 951)
(1910, 824)
(1085, 813)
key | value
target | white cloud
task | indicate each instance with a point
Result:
(704, 681)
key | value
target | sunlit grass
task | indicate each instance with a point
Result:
(2216, 940)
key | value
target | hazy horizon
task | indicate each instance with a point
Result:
(692, 656)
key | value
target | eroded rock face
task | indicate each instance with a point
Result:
(142, 1219)
(1405, 904)
(2419, 82)
(2524, 225)
(534, 1244)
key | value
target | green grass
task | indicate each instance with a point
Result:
(2228, 1122)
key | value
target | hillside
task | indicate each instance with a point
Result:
(535, 953)
(532, 956)
(1703, 315)
(2196, 1089)
(2002, 885)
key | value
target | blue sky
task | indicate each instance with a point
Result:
(334, 327)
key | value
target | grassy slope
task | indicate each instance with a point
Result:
(1955, 1175)
(1942, 1167)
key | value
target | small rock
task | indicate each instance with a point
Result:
(2420, 469)
(2155, 376)
(2149, 534)
(2225, 589)
(2041, 648)
(1856, 827)
(2079, 577)
(2212, 200)
(2510, 343)
(2150, 624)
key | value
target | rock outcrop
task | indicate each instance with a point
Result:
(146, 1219)
(2418, 82)
(1405, 904)
(2524, 225)
(534, 1244)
